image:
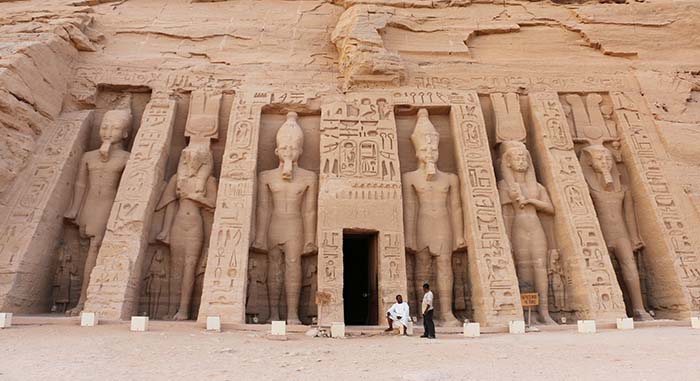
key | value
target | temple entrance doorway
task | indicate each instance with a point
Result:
(360, 278)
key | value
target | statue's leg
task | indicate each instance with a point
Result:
(274, 281)
(445, 280)
(292, 278)
(539, 264)
(628, 266)
(422, 275)
(90, 262)
(192, 249)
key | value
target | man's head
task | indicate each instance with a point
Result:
(426, 287)
(601, 161)
(425, 140)
(114, 128)
(399, 299)
(515, 156)
(290, 140)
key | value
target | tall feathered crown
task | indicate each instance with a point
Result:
(290, 131)
(424, 132)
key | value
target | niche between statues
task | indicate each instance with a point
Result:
(425, 262)
(175, 261)
(528, 212)
(119, 112)
(597, 145)
(269, 284)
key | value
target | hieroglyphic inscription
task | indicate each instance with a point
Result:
(672, 252)
(225, 280)
(360, 188)
(506, 82)
(596, 293)
(37, 209)
(495, 287)
(114, 283)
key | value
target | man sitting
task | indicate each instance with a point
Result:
(398, 312)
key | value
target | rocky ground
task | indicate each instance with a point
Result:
(184, 351)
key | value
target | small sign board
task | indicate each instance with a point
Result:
(530, 299)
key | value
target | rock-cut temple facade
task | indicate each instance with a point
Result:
(309, 160)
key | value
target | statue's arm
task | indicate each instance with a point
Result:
(456, 212)
(409, 213)
(543, 203)
(631, 219)
(262, 217)
(168, 201)
(309, 215)
(79, 191)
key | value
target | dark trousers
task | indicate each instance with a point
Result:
(428, 324)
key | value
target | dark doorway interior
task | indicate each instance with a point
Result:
(360, 291)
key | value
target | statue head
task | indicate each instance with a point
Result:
(425, 140)
(515, 156)
(290, 140)
(192, 158)
(601, 160)
(114, 128)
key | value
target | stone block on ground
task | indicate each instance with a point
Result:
(139, 323)
(472, 330)
(88, 319)
(278, 328)
(214, 323)
(695, 322)
(337, 329)
(625, 323)
(5, 320)
(516, 326)
(586, 326)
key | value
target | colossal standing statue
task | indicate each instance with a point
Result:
(433, 220)
(522, 198)
(614, 206)
(96, 187)
(286, 219)
(189, 193)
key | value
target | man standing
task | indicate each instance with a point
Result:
(398, 312)
(427, 308)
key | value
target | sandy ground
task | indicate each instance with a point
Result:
(174, 352)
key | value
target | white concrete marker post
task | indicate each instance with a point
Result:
(695, 322)
(409, 328)
(5, 320)
(278, 328)
(337, 329)
(88, 319)
(516, 326)
(472, 330)
(214, 323)
(586, 326)
(139, 323)
(625, 323)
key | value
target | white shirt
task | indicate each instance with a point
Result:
(400, 309)
(427, 301)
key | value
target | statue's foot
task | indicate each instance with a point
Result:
(545, 319)
(642, 315)
(75, 311)
(293, 322)
(180, 316)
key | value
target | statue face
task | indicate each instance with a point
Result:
(428, 151)
(602, 160)
(288, 153)
(518, 160)
(114, 128)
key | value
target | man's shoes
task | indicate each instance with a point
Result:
(424, 336)
(388, 330)
(432, 337)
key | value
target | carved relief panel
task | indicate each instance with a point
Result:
(360, 191)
